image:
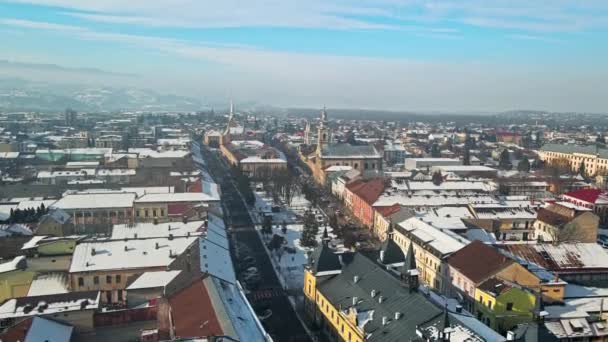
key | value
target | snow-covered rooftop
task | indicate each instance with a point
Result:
(95, 201)
(145, 230)
(439, 240)
(130, 254)
(153, 279)
(176, 197)
(46, 284)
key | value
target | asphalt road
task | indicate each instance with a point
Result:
(283, 324)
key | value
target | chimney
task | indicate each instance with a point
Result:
(93, 252)
(371, 315)
(510, 336)
(126, 248)
(169, 227)
(380, 299)
(135, 236)
(356, 279)
(156, 245)
(355, 300)
(170, 237)
(373, 294)
(459, 308)
(397, 315)
(382, 256)
(384, 320)
(170, 254)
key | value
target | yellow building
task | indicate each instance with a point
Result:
(572, 156)
(108, 266)
(15, 279)
(502, 305)
(350, 301)
(431, 248)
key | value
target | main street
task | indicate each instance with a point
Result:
(283, 324)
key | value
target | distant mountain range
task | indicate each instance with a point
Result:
(21, 95)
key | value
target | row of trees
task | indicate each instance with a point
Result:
(280, 184)
(28, 215)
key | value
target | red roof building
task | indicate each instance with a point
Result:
(594, 199)
(362, 195)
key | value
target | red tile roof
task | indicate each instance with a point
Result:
(388, 210)
(478, 261)
(193, 313)
(552, 218)
(586, 195)
(370, 190)
(178, 209)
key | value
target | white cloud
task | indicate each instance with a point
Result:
(285, 78)
(540, 15)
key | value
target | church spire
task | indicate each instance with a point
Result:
(323, 137)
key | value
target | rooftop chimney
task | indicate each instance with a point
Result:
(397, 315)
(373, 294)
(382, 256)
(93, 252)
(384, 320)
(380, 299)
(356, 279)
(355, 300)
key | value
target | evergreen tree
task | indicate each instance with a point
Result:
(437, 178)
(435, 151)
(267, 225)
(524, 165)
(466, 157)
(505, 160)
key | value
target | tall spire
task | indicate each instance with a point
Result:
(324, 115)
(231, 109)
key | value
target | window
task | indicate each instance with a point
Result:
(154, 213)
(146, 213)
(80, 281)
(95, 280)
(162, 212)
(118, 279)
(509, 306)
(342, 327)
(109, 279)
(119, 295)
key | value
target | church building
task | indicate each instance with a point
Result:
(364, 158)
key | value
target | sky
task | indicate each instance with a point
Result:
(450, 55)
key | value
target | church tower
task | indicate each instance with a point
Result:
(307, 133)
(324, 135)
(225, 138)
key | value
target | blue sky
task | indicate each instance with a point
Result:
(389, 54)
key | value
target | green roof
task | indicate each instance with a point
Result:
(349, 151)
(415, 309)
(589, 149)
